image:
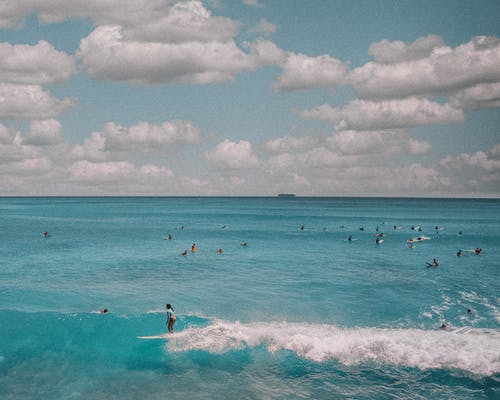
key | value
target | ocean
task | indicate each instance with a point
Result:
(290, 309)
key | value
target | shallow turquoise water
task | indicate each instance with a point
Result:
(295, 314)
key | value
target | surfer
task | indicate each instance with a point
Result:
(170, 318)
(433, 264)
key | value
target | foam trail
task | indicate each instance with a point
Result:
(477, 353)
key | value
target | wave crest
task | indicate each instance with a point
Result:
(477, 352)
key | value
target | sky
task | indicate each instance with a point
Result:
(250, 98)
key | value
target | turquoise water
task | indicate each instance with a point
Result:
(294, 314)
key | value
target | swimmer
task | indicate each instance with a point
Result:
(349, 238)
(433, 264)
(169, 237)
(478, 250)
(459, 253)
(45, 234)
(361, 228)
(243, 244)
(103, 311)
(193, 247)
(411, 246)
(184, 253)
(302, 228)
(220, 251)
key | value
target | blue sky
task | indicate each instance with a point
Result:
(318, 98)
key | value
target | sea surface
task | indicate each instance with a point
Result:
(300, 312)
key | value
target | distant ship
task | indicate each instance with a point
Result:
(286, 195)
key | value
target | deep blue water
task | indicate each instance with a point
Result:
(297, 313)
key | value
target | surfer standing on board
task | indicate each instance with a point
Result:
(170, 318)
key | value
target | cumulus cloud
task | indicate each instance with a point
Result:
(103, 171)
(44, 133)
(486, 95)
(387, 52)
(149, 137)
(443, 71)
(186, 21)
(30, 102)
(37, 65)
(115, 141)
(13, 12)
(228, 154)
(388, 114)
(487, 161)
(107, 54)
(301, 72)
(291, 143)
(376, 142)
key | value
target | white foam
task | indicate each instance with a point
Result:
(478, 354)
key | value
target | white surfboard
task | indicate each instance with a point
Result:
(154, 337)
(463, 330)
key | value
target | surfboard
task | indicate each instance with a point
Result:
(154, 337)
(463, 330)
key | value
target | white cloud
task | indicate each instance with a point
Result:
(91, 149)
(263, 27)
(444, 71)
(97, 172)
(6, 135)
(388, 114)
(253, 3)
(183, 22)
(376, 142)
(233, 155)
(44, 133)
(291, 143)
(486, 95)
(149, 137)
(29, 102)
(37, 65)
(480, 159)
(387, 52)
(301, 72)
(107, 54)
(13, 12)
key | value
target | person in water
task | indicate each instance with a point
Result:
(459, 253)
(103, 311)
(170, 318)
(193, 247)
(184, 253)
(220, 251)
(434, 263)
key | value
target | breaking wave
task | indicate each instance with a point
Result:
(477, 352)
